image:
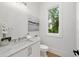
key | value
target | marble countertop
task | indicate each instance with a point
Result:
(12, 48)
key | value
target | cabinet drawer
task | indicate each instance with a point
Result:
(21, 53)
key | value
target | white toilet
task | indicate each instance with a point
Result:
(43, 50)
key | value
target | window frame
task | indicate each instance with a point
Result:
(60, 34)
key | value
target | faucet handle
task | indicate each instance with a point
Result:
(36, 35)
(27, 33)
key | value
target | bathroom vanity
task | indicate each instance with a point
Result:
(28, 48)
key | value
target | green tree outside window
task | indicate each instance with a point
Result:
(53, 20)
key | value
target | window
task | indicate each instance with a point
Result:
(53, 20)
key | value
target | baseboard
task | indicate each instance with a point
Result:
(61, 53)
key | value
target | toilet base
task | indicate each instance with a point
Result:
(43, 50)
(43, 54)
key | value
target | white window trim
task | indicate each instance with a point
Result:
(60, 34)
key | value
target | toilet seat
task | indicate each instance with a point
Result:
(43, 48)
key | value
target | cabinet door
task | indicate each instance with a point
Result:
(31, 51)
(35, 50)
(21, 53)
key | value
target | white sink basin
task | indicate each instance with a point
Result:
(4, 41)
(19, 43)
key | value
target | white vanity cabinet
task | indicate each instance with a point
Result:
(30, 51)
(35, 50)
(21, 53)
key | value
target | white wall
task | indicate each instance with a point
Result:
(64, 46)
(77, 11)
(15, 16)
(33, 8)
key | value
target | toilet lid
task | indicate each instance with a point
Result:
(43, 47)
